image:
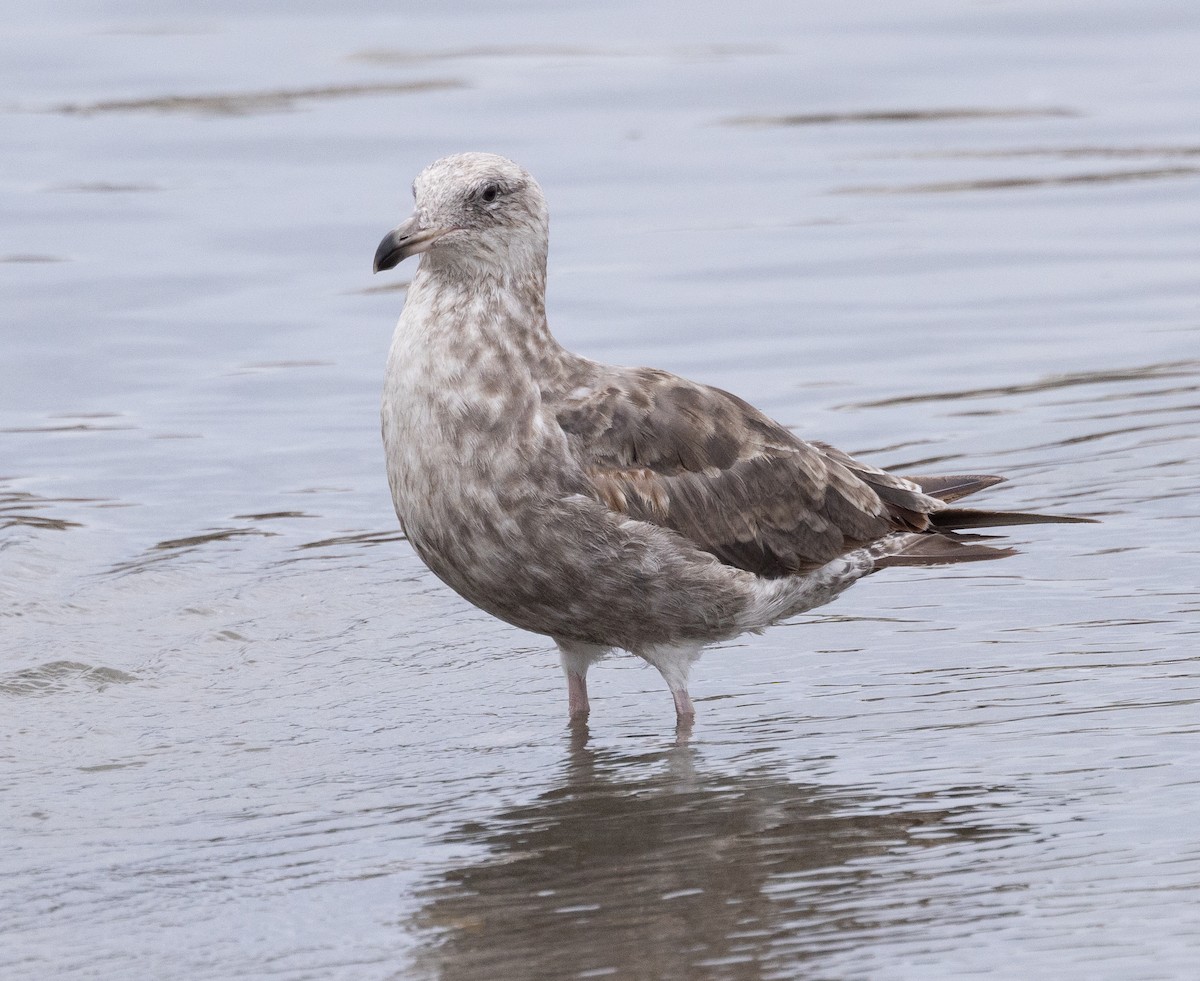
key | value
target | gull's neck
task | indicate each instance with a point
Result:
(475, 315)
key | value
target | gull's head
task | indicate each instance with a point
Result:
(477, 213)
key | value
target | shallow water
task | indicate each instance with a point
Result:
(247, 735)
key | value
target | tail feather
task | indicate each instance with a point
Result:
(953, 486)
(940, 543)
(922, 549)
(958, 518)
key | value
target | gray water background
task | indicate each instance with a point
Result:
(244, 734)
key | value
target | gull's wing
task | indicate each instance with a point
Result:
(714, 469)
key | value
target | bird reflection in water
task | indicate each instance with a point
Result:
(648, 865)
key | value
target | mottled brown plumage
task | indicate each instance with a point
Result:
(612, 507)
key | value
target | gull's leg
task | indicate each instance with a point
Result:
(578, 706)
(577, 656)
(674, 662)
(683, 703)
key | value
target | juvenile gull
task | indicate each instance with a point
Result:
(612, 507)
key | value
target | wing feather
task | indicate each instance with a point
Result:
(714, 469)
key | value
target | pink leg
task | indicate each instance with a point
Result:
(683, 704)
(577, 657)
(674, 663)
(577, 700)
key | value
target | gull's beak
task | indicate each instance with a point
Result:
(404, 240)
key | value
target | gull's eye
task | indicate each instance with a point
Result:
(489, 193)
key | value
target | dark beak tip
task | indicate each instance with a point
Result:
(398, 244)
(389, 253)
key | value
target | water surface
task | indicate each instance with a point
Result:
(247, 735)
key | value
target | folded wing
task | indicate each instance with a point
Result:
(714, 469)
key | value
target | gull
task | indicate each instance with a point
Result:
(611, 507)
